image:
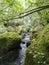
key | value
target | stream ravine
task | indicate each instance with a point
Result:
(15, 57)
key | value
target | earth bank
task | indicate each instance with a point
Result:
(9, 41)
(38, 52)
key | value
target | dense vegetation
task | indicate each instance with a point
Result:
(31, 17)
(38, 51)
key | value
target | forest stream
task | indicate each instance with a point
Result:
(16, 57)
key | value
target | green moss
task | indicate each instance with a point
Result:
(9, 39)
(38, 52)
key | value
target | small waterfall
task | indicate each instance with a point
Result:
(22, 53)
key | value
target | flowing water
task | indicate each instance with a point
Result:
(22, 53)
(15, 57)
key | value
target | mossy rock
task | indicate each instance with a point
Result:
(9, 41)
(38, 52)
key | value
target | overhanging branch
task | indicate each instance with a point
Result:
(23, 14)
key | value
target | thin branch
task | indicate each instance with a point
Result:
(29, 12)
